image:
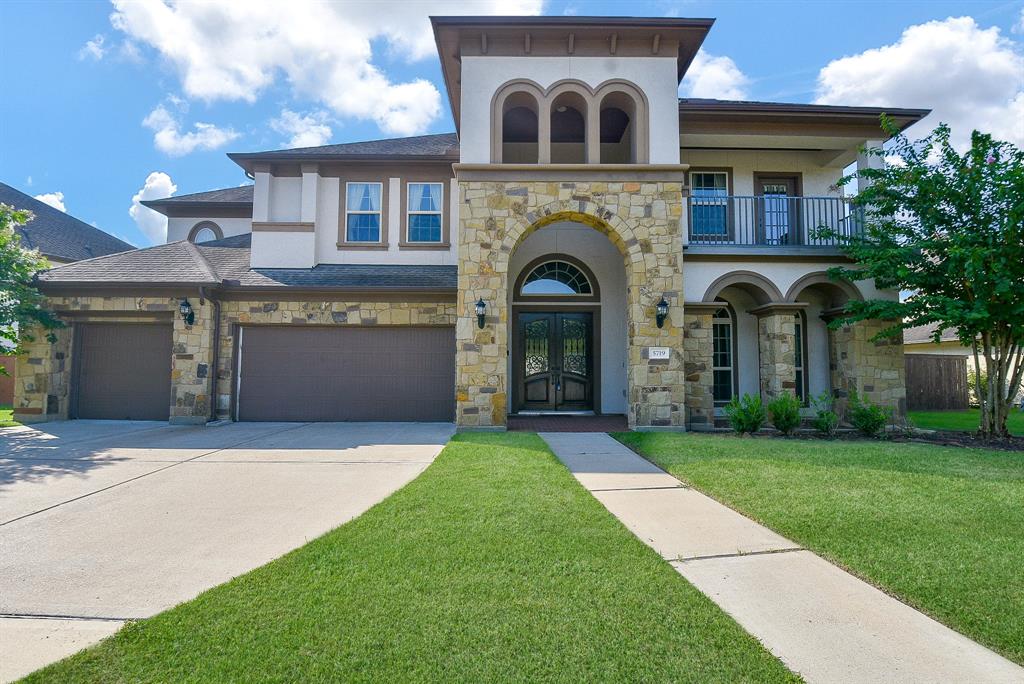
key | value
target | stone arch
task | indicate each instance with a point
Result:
(760, 288)
(845, 289)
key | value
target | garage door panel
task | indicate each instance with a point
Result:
(367, 373)
(123, 371)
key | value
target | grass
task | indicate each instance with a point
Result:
(7, 417)
(494, 565)
(962, 421)
(941, 528)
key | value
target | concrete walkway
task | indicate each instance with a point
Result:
(822, 622)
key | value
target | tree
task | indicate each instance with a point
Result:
(949, 228)
(22, 306)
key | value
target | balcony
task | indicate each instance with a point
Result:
(771, 221)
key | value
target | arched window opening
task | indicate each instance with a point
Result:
(723, 361)
(559, 278)
(519, 129)
(205, 231)
(569, 129)
(618, 129)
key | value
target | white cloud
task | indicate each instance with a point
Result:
(1019, 26)
(54, 199)
(226, 50)
(93, 49)
(168, 138)
(28, 181)
(970, 77)
(306, 130)
(714, 76)
(153, 225)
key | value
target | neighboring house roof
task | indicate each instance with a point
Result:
(442, 147)
(237, 200)
(225, 264)
(57, 234)
(925, 334)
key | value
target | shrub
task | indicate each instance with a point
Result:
(869, 418)
(784, 413)
(826, 420)
(746, 414)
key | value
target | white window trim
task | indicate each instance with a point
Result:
(379, 213)
(724, 320)
(409, 213)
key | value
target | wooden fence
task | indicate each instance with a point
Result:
(936, 381)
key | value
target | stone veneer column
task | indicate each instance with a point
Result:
(873, 369)
(192, 354)
(42, 377)
(640, 218)
(698, 348)
(776, 344)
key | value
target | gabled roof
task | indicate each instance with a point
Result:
(224, 264)
(58, 235)
(925, 334)
(442, 147)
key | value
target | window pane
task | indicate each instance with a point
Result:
(556, 278)
(710, 210)
(722, 388)
(424, 228)
(424, 197)
(363, 197)
(363, 228)
(205, 235)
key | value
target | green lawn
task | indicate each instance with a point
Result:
(942, 528)
(494, 565)
(7, 417)
(966, 420)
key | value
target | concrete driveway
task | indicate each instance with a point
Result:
(103, 521)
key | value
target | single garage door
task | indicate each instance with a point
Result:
(402, 373)
(122, 371)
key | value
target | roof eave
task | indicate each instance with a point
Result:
(247, 159)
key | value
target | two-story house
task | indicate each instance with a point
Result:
(585, 242)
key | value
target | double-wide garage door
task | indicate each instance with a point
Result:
(401, 373)
(122, 371)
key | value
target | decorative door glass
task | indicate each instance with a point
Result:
(574, 346)
(536, 341)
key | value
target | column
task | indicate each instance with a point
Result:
(776, 343)
(698, 348)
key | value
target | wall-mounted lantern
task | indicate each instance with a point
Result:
(481, 312)
(661, 309)
(187, 314)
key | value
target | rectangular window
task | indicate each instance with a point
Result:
(722, 357)
(798, 358)
(709, 192)
(424, 212)
(362, 212)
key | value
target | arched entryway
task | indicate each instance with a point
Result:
(567, 333)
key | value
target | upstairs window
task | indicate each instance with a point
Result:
(424, 212)
(362, 212)
(709, 192)
(205, 231)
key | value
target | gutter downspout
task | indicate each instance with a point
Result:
(213, 371)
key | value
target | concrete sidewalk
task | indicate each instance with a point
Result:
(821, 621)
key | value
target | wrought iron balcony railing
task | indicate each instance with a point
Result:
(769, 221)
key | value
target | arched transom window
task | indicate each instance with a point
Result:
(556, 277)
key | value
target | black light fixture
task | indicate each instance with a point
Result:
(662, 312)
(481, 311)
(187, 314)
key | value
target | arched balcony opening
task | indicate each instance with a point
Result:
(520, 139)
(618, 129)
(569, 129)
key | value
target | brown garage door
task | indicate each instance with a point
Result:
(122, 371)
(338, 374)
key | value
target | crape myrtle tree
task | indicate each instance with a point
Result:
(22, 307)
(948, 228)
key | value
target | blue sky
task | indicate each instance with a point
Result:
(102, 101)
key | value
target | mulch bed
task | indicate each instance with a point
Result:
(935, 437)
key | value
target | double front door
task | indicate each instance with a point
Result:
(554, 363)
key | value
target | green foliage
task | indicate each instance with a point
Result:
(746, 414)
(826, 420)
(869, 418)
(784, 413)
(977, 386)
(949, 228)
(22, 306)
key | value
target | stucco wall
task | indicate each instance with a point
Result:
(178, 227)
(817, 179)
(655, 76)
(700, 274)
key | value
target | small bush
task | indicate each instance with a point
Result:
(784, 413)
(746, 414)
(869, 418)
(826, 420)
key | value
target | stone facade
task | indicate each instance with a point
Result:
(697, 366)
(642, 219)
(874, 369)
(776, 343)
